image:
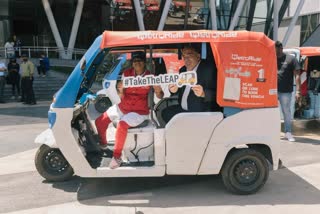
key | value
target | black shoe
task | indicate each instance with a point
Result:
(33, 103)
(1, 101)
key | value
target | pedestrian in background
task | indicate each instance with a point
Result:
(9, 48)
(17, 46)
(3, 73)
(26, 72)
(288, 68)
(14, 78)
(44, 65)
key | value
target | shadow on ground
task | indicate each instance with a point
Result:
(283, 187)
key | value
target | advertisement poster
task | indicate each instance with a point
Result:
(247, 75)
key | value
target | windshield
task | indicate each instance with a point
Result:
(111, 64)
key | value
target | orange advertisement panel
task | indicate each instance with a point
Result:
(247, 75)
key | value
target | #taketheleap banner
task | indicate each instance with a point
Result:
(185, 78)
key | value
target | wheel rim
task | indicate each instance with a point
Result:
(246, 172)
(55, 163)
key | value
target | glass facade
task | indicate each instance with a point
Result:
(308, 24)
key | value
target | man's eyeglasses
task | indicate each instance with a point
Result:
(137, 60)
(186, 55)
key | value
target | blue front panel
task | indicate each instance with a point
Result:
(67, 95)
(52, 116)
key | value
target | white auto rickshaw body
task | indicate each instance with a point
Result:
(191, 143)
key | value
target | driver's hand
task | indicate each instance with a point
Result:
(157, 88)
(120, 88)
(173, 88)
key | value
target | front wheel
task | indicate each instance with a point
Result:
(245, 171)
(51, 164)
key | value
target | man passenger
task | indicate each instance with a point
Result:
(197, 98)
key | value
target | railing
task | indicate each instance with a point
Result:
(51, 52)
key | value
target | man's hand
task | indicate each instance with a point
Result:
(198, 90)
(158, 90)
(173, 88)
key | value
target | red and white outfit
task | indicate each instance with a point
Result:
(131, 111)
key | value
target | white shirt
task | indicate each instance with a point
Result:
(9, 46)
(184, 103)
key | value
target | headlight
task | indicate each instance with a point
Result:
(106, 85)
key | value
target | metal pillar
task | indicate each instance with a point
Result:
(164, 14)
(275, 20)
(281, 12)
(213, 13)
(75, 27)
(235, 18)
(186, 14)
(54, 28)
(293, 22)
(269, 17)
(253, 4)
(139, 14)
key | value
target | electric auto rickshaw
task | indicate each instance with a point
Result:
(309, 58)
(240, 142)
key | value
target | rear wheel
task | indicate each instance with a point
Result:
(245, 171)
(51, 164)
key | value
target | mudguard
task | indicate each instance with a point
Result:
(46, 137)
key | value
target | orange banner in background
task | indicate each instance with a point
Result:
(173, 64)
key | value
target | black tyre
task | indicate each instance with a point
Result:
(245, 171)
(51, 164)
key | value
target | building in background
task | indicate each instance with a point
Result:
(72, 24)
(306, 30)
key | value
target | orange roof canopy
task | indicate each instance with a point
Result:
(133, 38)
